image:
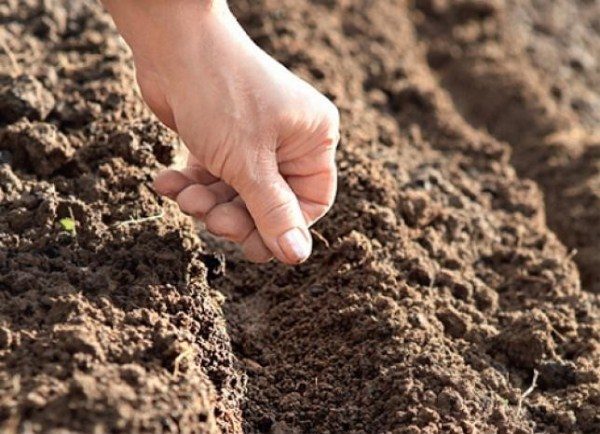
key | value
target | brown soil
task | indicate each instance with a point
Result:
(528, 71)
(436, 290)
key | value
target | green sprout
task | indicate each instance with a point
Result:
(68, 224)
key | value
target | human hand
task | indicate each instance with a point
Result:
(262, 141)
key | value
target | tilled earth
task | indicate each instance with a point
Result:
(455, 285)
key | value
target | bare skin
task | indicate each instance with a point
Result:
(261, 141)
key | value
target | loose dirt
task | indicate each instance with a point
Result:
(438, 287)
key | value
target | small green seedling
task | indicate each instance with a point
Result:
(69, 225)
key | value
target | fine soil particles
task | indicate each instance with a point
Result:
(455, 284)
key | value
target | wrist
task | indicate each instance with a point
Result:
(160, 31)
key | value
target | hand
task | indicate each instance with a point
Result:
(261, 141)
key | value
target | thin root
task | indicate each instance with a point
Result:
(529, 391)
(140, 220)
(320, 237)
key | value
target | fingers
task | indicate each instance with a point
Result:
(277, 215)
(255, 249)
(230, 220)
(196, 200)
(191, 185)
(199, 175)
(217, 204)
(196, 171)
(313, 177)
(170, 183)
(272, 215)
(315, 193)
(223, 192)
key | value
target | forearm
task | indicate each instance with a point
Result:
(152, 28)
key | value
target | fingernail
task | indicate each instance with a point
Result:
(295, 245)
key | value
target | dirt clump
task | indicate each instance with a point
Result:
(38, 147)
(25, 97)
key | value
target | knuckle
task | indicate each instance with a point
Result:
(331, 123)
(333, 113)
(272, 211)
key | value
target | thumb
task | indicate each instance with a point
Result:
(277, 215)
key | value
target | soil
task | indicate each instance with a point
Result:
(454, 285)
